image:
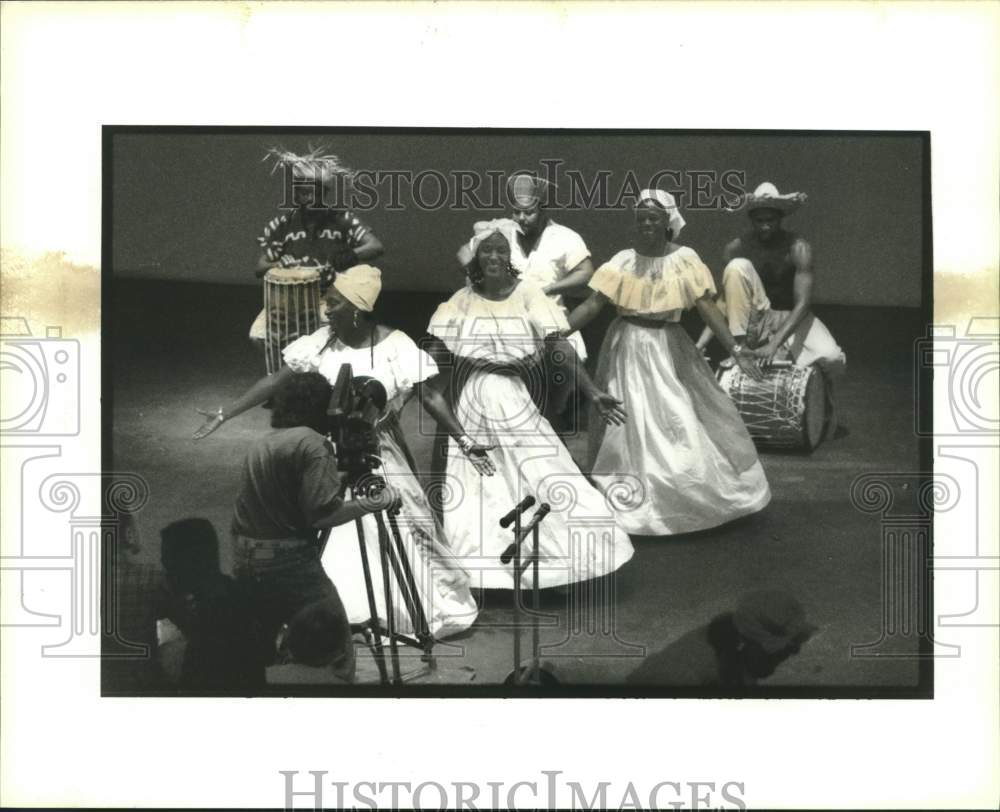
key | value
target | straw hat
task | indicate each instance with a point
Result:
(767, 196)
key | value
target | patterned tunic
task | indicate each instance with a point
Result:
(292, 240)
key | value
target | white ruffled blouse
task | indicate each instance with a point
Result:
(472, 326)
(654, 287)
(399, 364)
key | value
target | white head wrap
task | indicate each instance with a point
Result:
(665, 201)
(360, 285)
(482, 231)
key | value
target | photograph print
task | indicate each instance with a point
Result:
(491, 412)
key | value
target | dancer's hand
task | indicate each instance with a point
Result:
(479, 458)
(477, 454)
(747, 361)
(215, 419)
(610, 408)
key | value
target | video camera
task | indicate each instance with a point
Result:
(356, 404)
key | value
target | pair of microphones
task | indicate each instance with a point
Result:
(508, 520)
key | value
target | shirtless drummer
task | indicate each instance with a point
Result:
(767, 291)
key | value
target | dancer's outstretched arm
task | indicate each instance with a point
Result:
(584, 313)
(714, 319)
(438, 408)
(610, 408)
(255, 395)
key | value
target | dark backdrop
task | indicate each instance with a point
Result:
(190, 206)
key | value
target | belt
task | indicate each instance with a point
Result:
(265, 549)
(639, 321)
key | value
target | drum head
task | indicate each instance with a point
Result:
(814, 419)
(291, 276)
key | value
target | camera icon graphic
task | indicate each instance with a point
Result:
(40, 379)
(964, 374)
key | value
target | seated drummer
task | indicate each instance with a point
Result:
(767, 290)
(318, 233)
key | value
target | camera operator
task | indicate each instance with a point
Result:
(290, 489)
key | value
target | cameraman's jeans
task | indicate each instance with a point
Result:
(285, 576)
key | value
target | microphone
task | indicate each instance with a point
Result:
(520, 507)
(540, 514)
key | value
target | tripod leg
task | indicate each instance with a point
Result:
(372, 608)
(322, 537)
(390, 614)
(408, 586)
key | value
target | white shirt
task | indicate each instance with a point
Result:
(559, 251)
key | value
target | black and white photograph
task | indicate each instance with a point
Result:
(502, 412)
(480, 405)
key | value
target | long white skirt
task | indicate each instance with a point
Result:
(683, 461)
(443, 585)
(579, 539)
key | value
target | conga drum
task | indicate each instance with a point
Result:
(291, 310)
(787, 409)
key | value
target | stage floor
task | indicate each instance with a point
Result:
(176, 347)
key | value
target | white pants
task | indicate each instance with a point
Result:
(748, 312)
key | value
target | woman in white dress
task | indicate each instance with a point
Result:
(684, 460)
(395, 360)
(497, 328)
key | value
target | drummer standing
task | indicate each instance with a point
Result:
(316, 233)
(767, 290)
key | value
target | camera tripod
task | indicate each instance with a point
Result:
(357, 407)
(394, 564)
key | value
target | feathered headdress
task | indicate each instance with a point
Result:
(316, 164)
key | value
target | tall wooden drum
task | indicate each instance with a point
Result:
(291, 309)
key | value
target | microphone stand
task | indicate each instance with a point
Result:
(530, 676)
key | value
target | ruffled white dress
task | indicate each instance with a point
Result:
(683, 461)
(442, 583)
(580, 538)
